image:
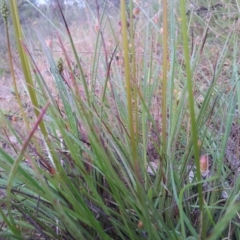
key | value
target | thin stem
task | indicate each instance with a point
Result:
(194, 132)
(129, 89)
(164, 81)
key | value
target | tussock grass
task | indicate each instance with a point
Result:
(134, 121)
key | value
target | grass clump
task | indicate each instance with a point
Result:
(132, 129)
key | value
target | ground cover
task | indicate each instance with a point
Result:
(123, 124)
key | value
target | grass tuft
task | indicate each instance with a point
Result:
(123, 124)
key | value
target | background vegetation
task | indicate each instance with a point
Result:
(119, 120)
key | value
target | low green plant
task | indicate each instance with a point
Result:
(115, 153)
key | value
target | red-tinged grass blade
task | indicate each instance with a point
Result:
(27, 74)
(18, 160)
